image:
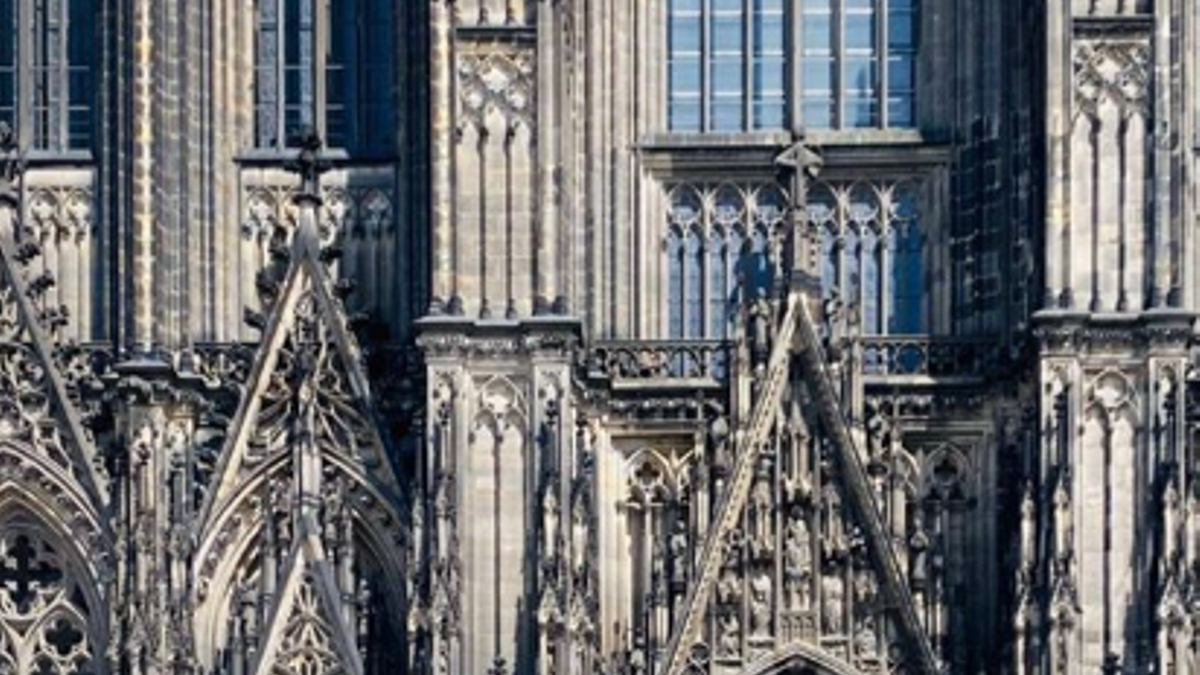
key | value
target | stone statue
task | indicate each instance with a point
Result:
(798, 562)
(729, 634)
(550, 519)
(760, 604)
(679, 553)
(762, 536)
(833, 588)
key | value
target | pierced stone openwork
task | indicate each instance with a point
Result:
(872, 253)
(47, 625)
(722, 243)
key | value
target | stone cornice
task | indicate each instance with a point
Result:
(452, 337)
(1059, 331)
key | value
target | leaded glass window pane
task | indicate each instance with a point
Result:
(359, 106)
(902, 53)
(841, 53)
(80, 54)
(769, 88)
(686, 47)
(818, 69)
(8, 63)
(727, 65)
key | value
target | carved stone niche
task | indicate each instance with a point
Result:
(59, 216)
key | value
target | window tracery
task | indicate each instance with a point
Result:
(872, 253)
(720, 247)
(723, 241)
(46, 624)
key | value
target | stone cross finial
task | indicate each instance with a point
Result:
(803, 163)
(309, 162)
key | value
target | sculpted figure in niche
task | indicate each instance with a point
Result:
(760, 331)
(798, 561)
(762, 539)
(679, 553)
(729, 634)
(579, 536)
(727, 588)
(550, 522)
(834, 590)
(760, 604)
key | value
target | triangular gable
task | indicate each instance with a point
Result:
(305, 321)
(19, 326)
(714, 598)
(306, 621)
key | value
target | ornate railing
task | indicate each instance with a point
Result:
(660, 361)
(934, 357)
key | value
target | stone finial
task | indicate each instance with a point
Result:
(11, 164)
(309, 162)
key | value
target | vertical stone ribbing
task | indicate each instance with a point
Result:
(142, 221)
(442, 145)
(1162, 279)
(545, 258)
(1058, 121)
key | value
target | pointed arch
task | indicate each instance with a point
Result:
(52, 612)
(229, 562)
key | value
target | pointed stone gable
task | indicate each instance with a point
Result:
(35, 409)
(307, 631)
(307, 383)
(803, 560)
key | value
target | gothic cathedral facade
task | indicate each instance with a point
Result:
(599, 337)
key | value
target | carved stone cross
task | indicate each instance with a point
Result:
(309, 162)
(802, 163)
(26, 573)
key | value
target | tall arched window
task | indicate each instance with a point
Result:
(329, 66)
(55, 44)
(908, 267)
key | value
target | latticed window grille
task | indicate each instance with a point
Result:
(328, 66)
(854, 63)
(46, 78)
(722, 245)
